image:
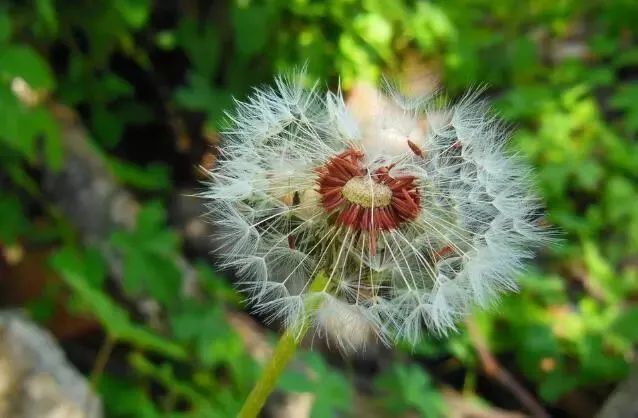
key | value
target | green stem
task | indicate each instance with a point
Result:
(284, 351)
(282, 354)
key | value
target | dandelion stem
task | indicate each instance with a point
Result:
(282, 354)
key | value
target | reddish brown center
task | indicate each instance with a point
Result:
(366, 201)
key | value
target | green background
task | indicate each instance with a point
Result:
(150, 81)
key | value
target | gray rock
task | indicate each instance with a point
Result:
(36, 380)
(623, 401)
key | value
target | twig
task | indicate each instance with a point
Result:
(496, 371)
(102, 359)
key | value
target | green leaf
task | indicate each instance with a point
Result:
(393, 10)
(377, 32)
(558, 383)
(21, 126)
(216, 286)
(5, 27)
(26, 63)
(198, 94)
(44, 308)
(134, 12)
(166, 39)
(14, 131)
(13, 223)
(43, 123)
(149, 256)
(111, 87)
(202, 45)
(626, 99)
(408, 387)
(251, 28)
(626, 324)
(358, 62)
(80, 274)
(524, 58)
(205, 327)
(109, 121)
(153, 177)
(164, 374)
(296, 381)
(124, 399)
(87, 264)
(537, 343)
(46, 13)
(333, 393)
(431, 26)
(106, 126)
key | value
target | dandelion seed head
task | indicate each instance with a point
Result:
(411, 213)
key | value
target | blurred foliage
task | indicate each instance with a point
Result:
(332, 392)
(409, 388)
(564, 72)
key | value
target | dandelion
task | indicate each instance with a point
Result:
(377, 228)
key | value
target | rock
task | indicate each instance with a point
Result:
(36, 380)
(623, 402)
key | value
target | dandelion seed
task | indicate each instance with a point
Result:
(412, 216)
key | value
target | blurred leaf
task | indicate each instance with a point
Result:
(13, 223)
(5, 27)
(12, 130)
(166, 39)
(393, 10)
(108, 122)
(42, 122)
(153, 177)
(331, 390)
(430, 25)
(524, 58)
(524, 102)
(626, 100)
(111, 87)
(26, 63)
(46, 12)
(45, 306)
(357, 63)
(540, 344)
(218, 287)
(81, 274)
(558, 383)
(21, 127)
(251, 27)
(296, 381)
(408, 387)
(134, 12)
(600, 272)
(125, 399)
(204, 326)
(202, 45)
(199, 95)
(149, 256)
(87, 264)
(376, 31)
(211, 405)
(106, 125)
(626, 324)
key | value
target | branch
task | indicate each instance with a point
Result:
(496, 371)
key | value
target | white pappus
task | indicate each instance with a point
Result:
(410, 216)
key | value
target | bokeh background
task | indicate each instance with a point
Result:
(110, 108)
